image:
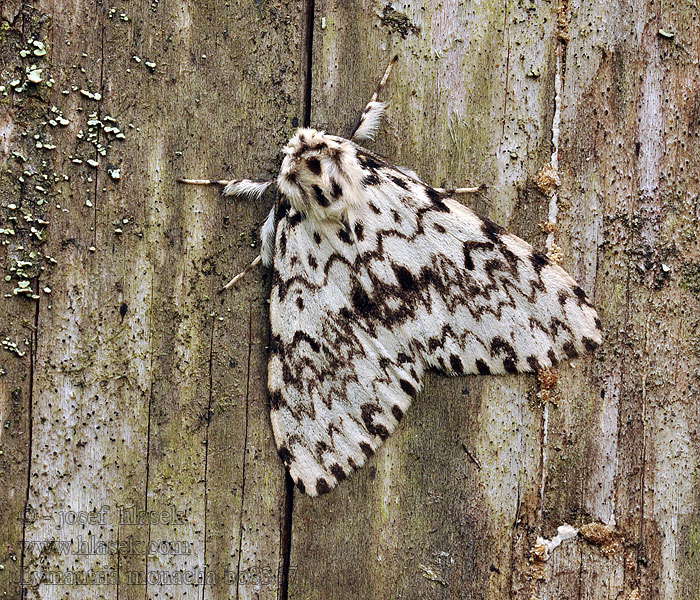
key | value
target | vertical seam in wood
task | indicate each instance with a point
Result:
(307, 38)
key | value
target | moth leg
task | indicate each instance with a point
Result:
(368, 123)
(243, 273)
(234, 187)
(461, 190)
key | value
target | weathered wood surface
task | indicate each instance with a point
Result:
(139, 386)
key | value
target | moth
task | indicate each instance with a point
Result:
(377, 277)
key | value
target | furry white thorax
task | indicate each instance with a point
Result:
(338, 169)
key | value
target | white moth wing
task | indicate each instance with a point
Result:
(400, 280)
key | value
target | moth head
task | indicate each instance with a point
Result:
(314, 173)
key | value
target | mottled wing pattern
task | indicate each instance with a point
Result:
(406, 278)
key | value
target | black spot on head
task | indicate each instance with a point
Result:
(300, 303)
(436, 198)
(551, 356)
(399, 181)
(314, 165)
(311, 259)
(375, 209)
(336, 190)
(317, 237)
(366, 448)
(123, 308)
(338, 472)
(407, 387)
(359, 231)
(320, 197)
(397, 412)
(351, 463)
(402, 358)
(482, 367)
(456, 364)
(490, 230)
(321, 447)
(396, 215)
(301, 486)
(439, 228)
(285, 454)
(405, 279)
(589, 344)
(509, 365)
(276, 400)
(562, 296)
(598, 324)
(434, 343)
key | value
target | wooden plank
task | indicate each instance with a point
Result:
(444, 507)
(626, 453)
(23, 165)
(141, 387)
(148, 386)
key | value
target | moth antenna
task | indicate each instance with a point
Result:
(461, 190)
(204, 181)
(368, 123)
(234, 187)
(246, 187)
(242, 274)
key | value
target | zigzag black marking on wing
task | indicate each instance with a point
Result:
(455, 292)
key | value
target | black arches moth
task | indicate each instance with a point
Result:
(377, 277)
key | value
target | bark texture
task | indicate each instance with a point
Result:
(135, 431)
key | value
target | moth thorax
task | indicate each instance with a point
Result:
(311, 173)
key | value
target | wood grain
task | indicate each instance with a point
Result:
(134, 384)
(148, 386)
